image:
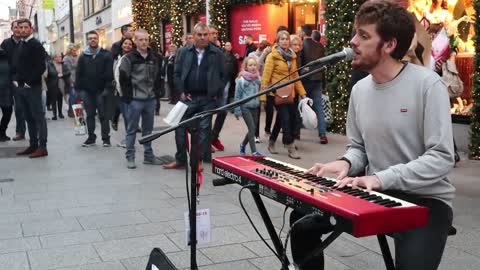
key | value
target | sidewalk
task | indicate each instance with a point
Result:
(82, 209)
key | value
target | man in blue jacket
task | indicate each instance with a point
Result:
(94, 77)
(199, 78)
(140, 82)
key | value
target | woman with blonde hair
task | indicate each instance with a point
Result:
(279, 63)
(70, 61)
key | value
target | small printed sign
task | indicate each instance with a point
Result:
(203, 227)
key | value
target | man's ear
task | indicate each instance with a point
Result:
(389, 46)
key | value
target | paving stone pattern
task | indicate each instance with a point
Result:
(82, 209)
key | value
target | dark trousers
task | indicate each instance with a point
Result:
(19, 114)
(56, 100)
(285, 121)
(6, 116)
(196, 105)
(425, 244)
(269, 105)
(94, 103)
(220, 119)
(297, 124)
(31, 101)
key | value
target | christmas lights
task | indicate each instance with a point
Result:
(339, 16)
(218, 17)
(474, 145)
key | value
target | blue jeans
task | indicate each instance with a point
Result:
(30, 99)
(196, 105)
(314, 91)
(137, 109)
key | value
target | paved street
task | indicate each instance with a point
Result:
(82, 209)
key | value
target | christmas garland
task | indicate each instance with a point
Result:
(259, 2)
(218, 17)
(474, 145)
(339, 15)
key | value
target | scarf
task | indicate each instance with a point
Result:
(287, 55)
(90, 51)
(249, 76)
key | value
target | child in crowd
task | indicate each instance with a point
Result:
(248, 84)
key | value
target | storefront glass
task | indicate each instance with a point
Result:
(450, 24)
(305, 12)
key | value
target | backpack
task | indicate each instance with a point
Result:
(451, 79)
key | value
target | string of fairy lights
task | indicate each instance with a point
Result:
(474, 145)
(339, 15)
(218, 17)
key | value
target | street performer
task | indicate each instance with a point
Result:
(400, 135)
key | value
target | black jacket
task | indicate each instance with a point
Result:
(312, 51)
(116, 49)
(140, 78)
(6, 94)
(29, 63)
(249, 48)
(94, 74)
(10, 46)
(170, 67)
(216, 77)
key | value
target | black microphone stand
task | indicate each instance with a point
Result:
(193, 124)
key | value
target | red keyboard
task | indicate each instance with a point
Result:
(361, 213)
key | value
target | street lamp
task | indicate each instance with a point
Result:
(72, 31)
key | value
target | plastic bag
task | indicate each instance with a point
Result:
(309, 117)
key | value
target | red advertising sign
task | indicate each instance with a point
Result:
(202, 17)
(167, 32)
(257, 21)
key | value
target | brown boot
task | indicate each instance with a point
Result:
(19, 137)
(323, 139)
(292, 152)
(271, 148)
(40, 152)
(27, 151)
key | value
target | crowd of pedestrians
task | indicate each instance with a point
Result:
(128, 80)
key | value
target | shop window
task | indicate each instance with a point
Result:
(452, 21)
(98, 5)
(305, 12)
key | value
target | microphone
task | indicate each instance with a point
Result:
(346, 54)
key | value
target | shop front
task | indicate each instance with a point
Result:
(98, 18)
(450, 25)
(257, 20)
(121, 15)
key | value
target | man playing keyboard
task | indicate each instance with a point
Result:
(400, 135)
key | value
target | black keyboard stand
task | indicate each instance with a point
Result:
(270, 228)
(387, 256)
(382, 240)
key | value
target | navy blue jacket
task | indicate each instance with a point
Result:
(216, 76)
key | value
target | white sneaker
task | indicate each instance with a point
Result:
(257, 140)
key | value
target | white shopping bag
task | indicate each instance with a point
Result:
(176, 114)
(80, 125)
(309, 117)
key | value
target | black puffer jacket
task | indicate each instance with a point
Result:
(6, 94)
